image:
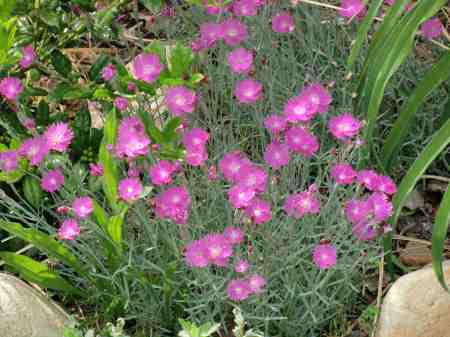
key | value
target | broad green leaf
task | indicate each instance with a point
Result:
(61, 63)
(144, 87)
(114, 226)
(49, 17)
(42, 113)
(6, 9)
(82, 127)
(435, 77)
(196, 78)
(37, 272)
(169, 132)
(97, 67)
(440, 230)
(33, 91)
(152, 131)
(32, 191)
(152, 5)
(45, 243)
(181, 59)
(64, 91)
(121, 69)
(100, 215)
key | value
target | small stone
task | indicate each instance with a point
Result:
(416, 306)
(414, 200)
(25, 312)
(416, 254)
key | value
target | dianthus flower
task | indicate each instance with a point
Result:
(132, 140)
(173, 204)
(52, 180)
(357, 211)
(210, 33)
(344, 126)
(283, 22)
(147, 67)
(234, 32)
(121, 103)
(300, 204)
(240, 196)
(343, 173)
(130, 189)
(253, 177)
(34, 149)
(258, 211)
(195, 139)
(245, 8)
(432, 28)
(28, 57)
(10, 88)
(9, 160)
(218, 249)
(69, 230)
(275, 124)
(180, 100)
(324, 256)
(196, 254)
(240, 60)
(248, 91)
(369, 178)
(83, 206)
(58, 136)
(161, 172)
(276, 155)
(109, 72)
(351, 8)
(231, 165)
(301, 141)
(234, 235)
(319, 96)
(256, 283)
(241, 266)
(238, 290)
(299, 109)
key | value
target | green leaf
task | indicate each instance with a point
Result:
(61, 63)
(64, 91)
(97, 67)
(6, 9)
(82, 127)
(121, 69)
(33, 91)
(152, 5)
(440, 230)
(435, 77)
(158, 48)
(181, 59)
(152, 131)
(37, 272)
(45, 243)
(114, 226)
(169, 133)
(144, 87)
(32, 191)
(196, 78)
(49, 17)
(43, 113)
(110, 165)
(100, 215)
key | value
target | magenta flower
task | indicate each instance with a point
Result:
(196, 157)
(147, 67)
(300, 204)
(196, 254)
(301, 141)
(83, 206)
(276, 155)
(96, 170)
(382, 208)
(357, 211)
(58, 136)
(234, 235)
(173, 204)
(10, 88)
(248, 91)
(344, 126)
(9, 161)
(364, 231)
(34, 149)
(28, 57)
(69, 230)
(259, 211)
(234, 32)
(256, 283)
(210, 33)
(214, 8)
(386, 185)
(132, 140)
(161, 172)
(319, 96)
(130, 189)
(218, 249)
(109, 72)
(52, 180)
(121, 103)
(351, 8)
(275, 124)
(29, 123)
(195, 139)
(241, 266)
(231, 165)
(238, 290)
(180, 100)
(299, 109)
(369, 178)
(324, 256)
(343, 173)
(432, 28)
(253, 177)
(240, 196)
(240, 60)
(283, 22)
(244, 8)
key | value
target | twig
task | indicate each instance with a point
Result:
(315, 3)
(429, 176)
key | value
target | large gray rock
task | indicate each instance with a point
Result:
(25, 312)
(416, 306)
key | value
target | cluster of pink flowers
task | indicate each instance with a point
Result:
(132, 141)
(240, 289)
(173, 204)
(300, 204)
(194, 142)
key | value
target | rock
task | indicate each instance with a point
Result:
(416, 306)
(25, 312)
(416, 254)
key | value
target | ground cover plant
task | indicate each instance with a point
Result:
(212, 169)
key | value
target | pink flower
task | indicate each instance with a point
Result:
(357, 211)
(344, 126)
(195, 139)
(109, 72)
(324, 256)
(147, 67)
(212, 173)
(283, 22)
(319, 96)
(244, 8)
(231, 165)
(241, 266)
(234, 235)
(69, 230)
(301, 141)
(29, 123)
(9, 161)
(364, 231)
(34, 149)
(218, 249)
(240, 60)
(276, 155)
(52, 180)
(248, 91)
(161, 172)
(196, 254)
(256, 283)
(215, 8)
(132, 140)
(386, 185)
(238, 290)
(130, 189)
(369, 178)
(83, 206)
(173, 204)
(432, 28)
(259, 211)
(300, 204)
(275, 124)
(58, 136)
(121, 103)
(240, 196)
(253, 177)
(382, 208)
(196, 157)
(343, 174)
(28, 57)
(234, 32)
(299, 109)
(10, 88)
(180, 100)
(96, 170)
(210, 33)
(351, 8)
